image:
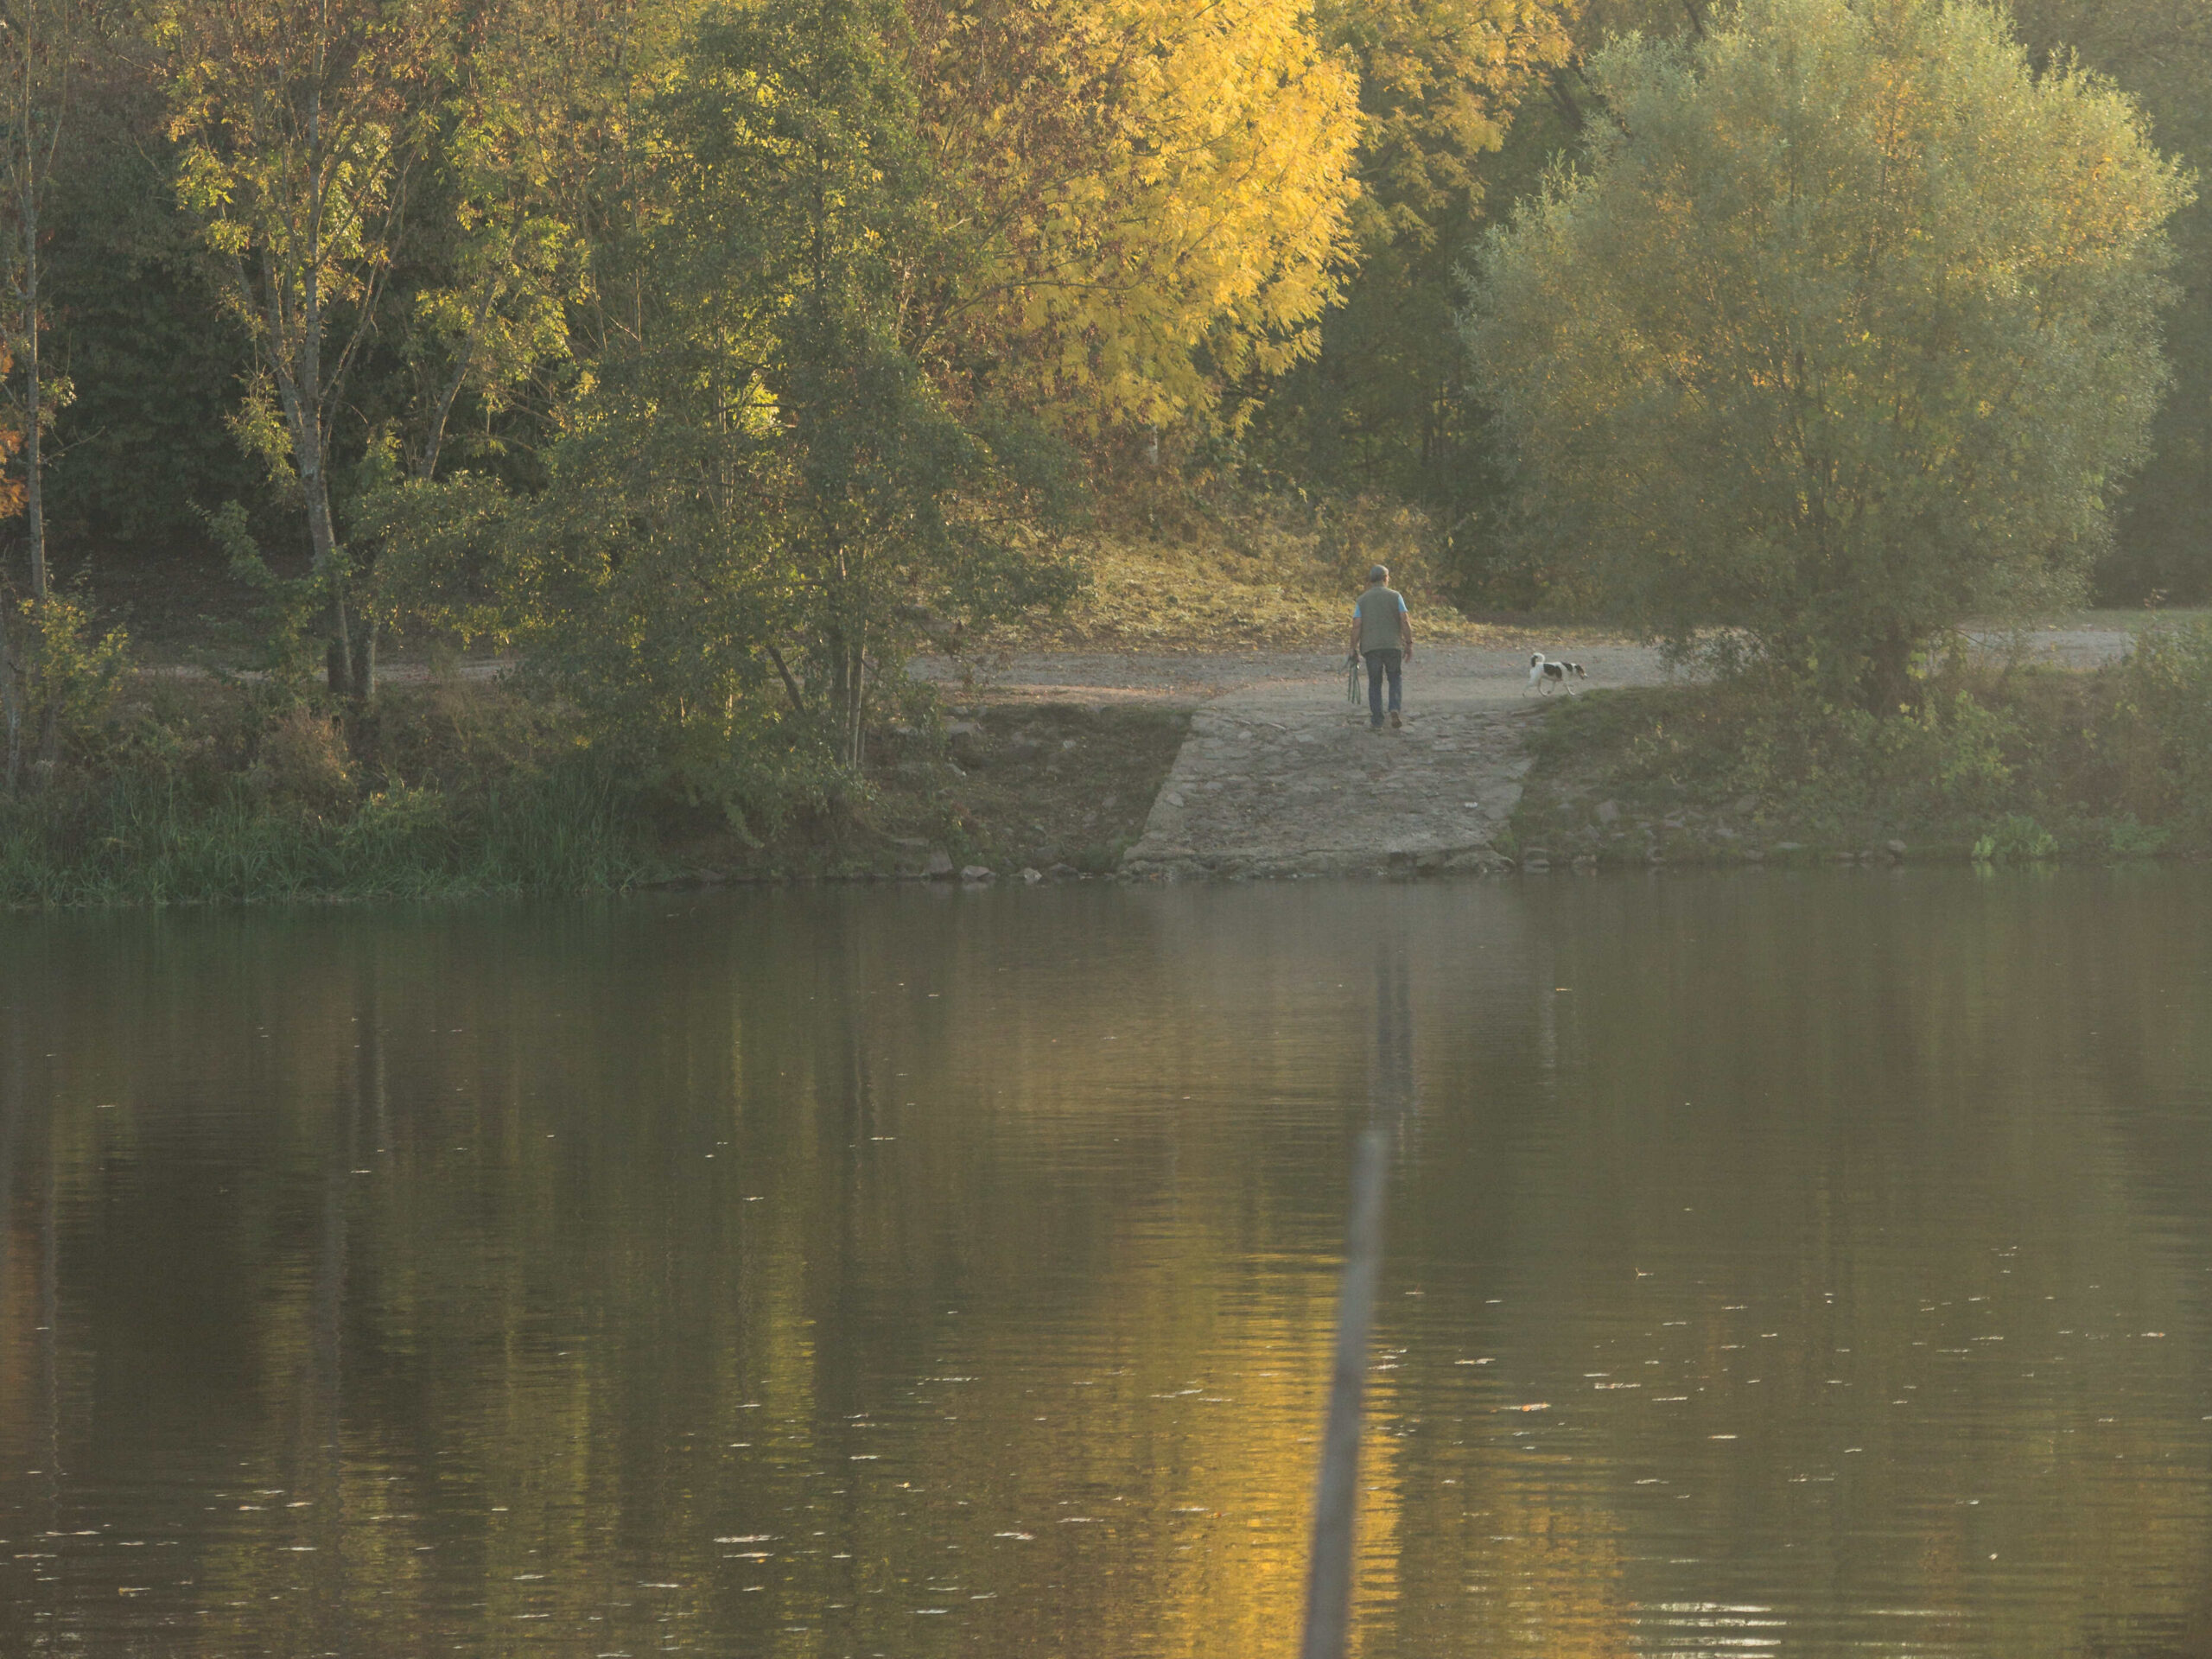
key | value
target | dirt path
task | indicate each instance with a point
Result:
(1195, 675)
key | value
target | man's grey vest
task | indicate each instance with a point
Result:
(1378, 610)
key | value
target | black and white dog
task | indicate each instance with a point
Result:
(1544, 675)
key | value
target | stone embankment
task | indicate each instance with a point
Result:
(1286, 777)
(1279, 793)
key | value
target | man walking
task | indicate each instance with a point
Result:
(1383, 634)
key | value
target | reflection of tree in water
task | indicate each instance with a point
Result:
(1390, 1089)
(553, 1309)
(1332, 1568)
(30, 1280)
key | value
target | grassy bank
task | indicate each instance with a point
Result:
(2000, 762)
(202, 791)
(1224, 570)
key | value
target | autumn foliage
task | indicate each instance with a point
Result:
(714, 354)
(1164, 186)
(1841, 334)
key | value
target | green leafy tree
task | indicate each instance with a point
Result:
(499, 246)
(808, 195)
(153, 358)
(43, 44)
(491, 275)
(1845, 331)
(12, 688)
(300, 122)
(2160, 51)
(760, 496)
(1379, 407)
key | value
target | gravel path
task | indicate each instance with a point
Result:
(1307, 679)
(2064, 647)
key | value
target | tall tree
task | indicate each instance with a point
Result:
(759, 488)
(41, 43)
(493, 272)
(1158, 190)
(12, 698)
(2160, 52)
(1380, 406)
(1844, 332)
(501, 251)
(300, 123)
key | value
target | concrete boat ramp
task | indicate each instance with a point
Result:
(1286, 777)
(1259, 793)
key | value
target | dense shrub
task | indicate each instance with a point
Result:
(2009, 762)
(203, 793)
(2158, 733)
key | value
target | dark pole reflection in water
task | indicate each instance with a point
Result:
(1390, 1096)
(1777, 1266)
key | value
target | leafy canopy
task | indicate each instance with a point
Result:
(761, 493)
(1159, 189)
(1845, 331)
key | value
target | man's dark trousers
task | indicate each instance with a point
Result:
(1380, 664)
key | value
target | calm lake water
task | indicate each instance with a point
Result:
(1778, 1265)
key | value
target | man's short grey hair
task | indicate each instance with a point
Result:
(1379, 573)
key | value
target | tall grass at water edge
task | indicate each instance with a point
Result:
(145, 838)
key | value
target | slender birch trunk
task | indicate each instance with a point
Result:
(40, 104)
(12, 702)
(34, 395)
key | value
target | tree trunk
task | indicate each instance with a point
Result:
(322, 541)
(304, 399)
(856, 748)
(49, 725)
(848, 697)
(34, 468)
(299, 391)
(364, 660)
(1887, 684)
(11, 702)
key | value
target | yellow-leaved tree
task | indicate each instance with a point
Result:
(1163, 186)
